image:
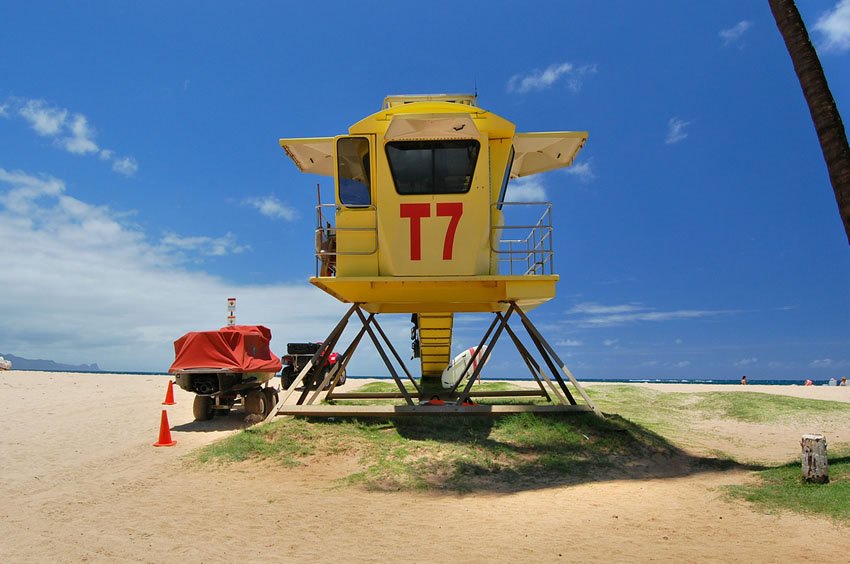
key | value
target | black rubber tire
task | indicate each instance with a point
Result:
(287, 376)
(342, 378)
(254, 402)
(270, 397)
(309, 382)
(202, 408)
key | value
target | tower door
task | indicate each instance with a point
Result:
(356, 222)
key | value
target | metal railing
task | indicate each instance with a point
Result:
(325, 241)
(529, 255)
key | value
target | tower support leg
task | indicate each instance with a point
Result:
(545, 347)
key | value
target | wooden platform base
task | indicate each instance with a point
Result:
(417, 410)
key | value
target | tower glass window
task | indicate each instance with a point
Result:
(352, 154)
(433, 167)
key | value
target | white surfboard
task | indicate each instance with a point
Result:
(455, 369)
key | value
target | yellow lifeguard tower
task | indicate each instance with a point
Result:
(419, 228)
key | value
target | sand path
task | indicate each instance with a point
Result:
(81, 482)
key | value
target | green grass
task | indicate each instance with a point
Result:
(527, 451)
(667, 410)
(781, 489)
(457, 453)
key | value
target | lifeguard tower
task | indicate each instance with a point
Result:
(417, 226)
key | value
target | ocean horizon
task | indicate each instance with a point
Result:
(724, 381)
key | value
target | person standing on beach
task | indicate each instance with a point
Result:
(843, 381)
(743, 380)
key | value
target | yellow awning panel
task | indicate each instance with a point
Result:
(541, 152)
(312, 154)
(419, 127)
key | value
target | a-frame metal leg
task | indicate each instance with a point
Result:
(343, 363)
(334, 374)
(545, 347)
(386, 360)
(533, 367)
(464, 396)
(396, 355)
(477, 352)
(499, 324)
(335, 333)
(323, 355)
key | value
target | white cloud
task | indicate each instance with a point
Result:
(4, 110)
(821, 363)
(207, 246)
(271, 207)
(676, 130)
(80, 141)
(71, 132)
(46, 121)
(610, 342)
(595, 315)
(666, 364)
(526, 189)
(543, 79)
(569, 343)
(734, 33)
(835, 27)
(582, 171)
(81, 286)
(596, 309)
(126, 166)
(746, 361)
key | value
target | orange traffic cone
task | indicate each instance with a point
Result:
(164, 432)
(169, 395)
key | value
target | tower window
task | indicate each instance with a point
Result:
(433, 167)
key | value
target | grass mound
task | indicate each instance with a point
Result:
(662, 410)
(457, 453)
(781, 489)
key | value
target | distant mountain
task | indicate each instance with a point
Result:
(19, 363)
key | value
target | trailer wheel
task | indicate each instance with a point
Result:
(202, 408)
(270, 397)
(286, 377)
(317, 378)
(341, 378)
(254, 402)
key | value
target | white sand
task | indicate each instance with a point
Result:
(81, 482)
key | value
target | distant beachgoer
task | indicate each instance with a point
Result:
(808, 383)
(833, 382)
(843, 381)
(743, 380)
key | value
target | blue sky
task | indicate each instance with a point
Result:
(141, 183)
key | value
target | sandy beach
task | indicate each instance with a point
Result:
(81, 481)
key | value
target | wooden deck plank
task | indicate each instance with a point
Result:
(408, 410)
(398, 395)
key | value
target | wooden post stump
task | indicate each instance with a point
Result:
(815, 463)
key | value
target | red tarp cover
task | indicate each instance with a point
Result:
(241, 348)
